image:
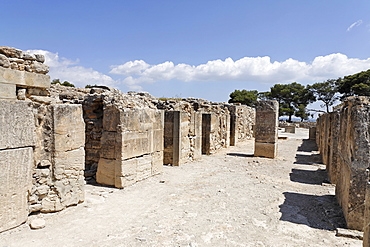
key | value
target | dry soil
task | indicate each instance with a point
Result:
(227, 199)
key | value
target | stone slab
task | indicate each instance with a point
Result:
(17, 124)
(24, 78)
(8, 91)
(15, 182)
(69, 127)
(268, 150)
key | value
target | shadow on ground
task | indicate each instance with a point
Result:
(308, 177)
(240, 155)
(321, 212)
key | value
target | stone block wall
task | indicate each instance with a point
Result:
(131, 145)
(17, 141)
(266, 129)
(182, 137)
(41, 142)
(343, 139)
(242, 119)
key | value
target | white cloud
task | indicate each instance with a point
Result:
(68, 70)
(247, 69)
(355, 24)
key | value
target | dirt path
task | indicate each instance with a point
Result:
(226, 199)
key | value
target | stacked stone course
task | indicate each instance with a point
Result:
(54, 138)
(344, 143)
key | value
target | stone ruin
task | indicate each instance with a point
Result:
(54, 139)
(343, 140)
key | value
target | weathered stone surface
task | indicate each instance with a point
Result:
(7, 91)
(290, 129)
(312, 133)
(15, 183)
(17, 124)
(24, 78)
(266, 129)
(37, 223)
(344, 144)
(11, 52)
(69, 127)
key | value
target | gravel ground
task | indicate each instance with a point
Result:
(227, 199)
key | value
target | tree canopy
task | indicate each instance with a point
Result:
(244, 97)
(65, 83)
(293, 99)
(325, 92)
(357, 84)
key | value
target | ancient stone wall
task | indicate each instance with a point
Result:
(343, 139)
(41, 144)
(196, 126)
(266, 129)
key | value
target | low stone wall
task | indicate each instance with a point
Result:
(196, 126)
(343, 140)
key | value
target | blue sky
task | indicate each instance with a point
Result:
(202, 49)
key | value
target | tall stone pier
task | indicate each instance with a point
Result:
(266, 129)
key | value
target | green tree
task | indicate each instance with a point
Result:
(65, 83)
(245, 97)
(357, 84)
(293, 99)
(326, 92)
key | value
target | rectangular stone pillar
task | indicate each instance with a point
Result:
(17, 139)
(132, 145)
(206, 133)
(172, 138)
(312, 133)
(233, 130)
(266, 129)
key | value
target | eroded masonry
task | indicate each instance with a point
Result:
(343, 140)
(54, 139)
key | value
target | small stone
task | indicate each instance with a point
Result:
(37, 223)
(341, 232)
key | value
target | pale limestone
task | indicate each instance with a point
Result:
(15, 183)
(24, 78)
(17, 124)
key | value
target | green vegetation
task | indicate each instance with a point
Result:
(244, 97)
(357, 84)
(65, 83)
(293, 98)
(326, 92)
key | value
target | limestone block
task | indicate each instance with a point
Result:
(133, 144)
(144, 167)
(106, 171)
(7, 91)
(24, 78)
(157, 162)
(268, 150)
(111, 119)
(15, 183)
(312, 133)
(17, 124)
(266, 128)
(69, 127)
(366, 241)
(157, 140)
(109, 144)
(290, 129)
